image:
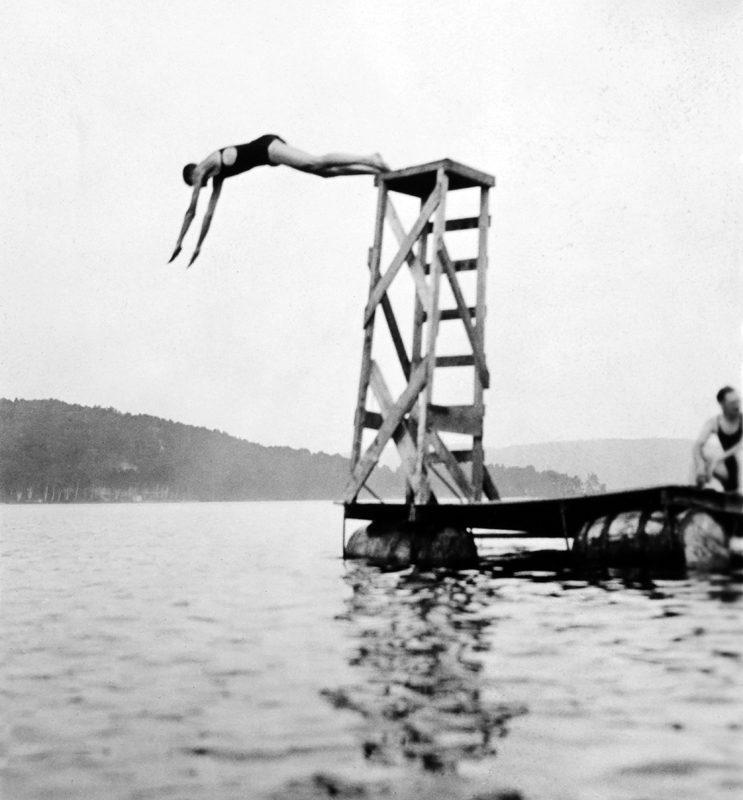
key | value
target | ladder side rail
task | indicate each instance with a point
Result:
(375, 254)
(423, 486)
(419, 317)
(479, 480)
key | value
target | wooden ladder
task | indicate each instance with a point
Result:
(411, 420)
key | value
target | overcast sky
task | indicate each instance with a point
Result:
(614, 129)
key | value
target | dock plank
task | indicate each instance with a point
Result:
(543, 518)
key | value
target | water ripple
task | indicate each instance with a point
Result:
(224, 650)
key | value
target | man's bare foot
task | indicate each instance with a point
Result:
(379, 163)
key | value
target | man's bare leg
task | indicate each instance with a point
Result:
(351, 169)
(330, 163)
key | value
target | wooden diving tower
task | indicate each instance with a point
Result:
(415, 424)
(665, 522)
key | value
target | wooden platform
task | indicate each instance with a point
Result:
(420, 181)
(552, 518)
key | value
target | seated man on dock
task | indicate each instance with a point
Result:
(270, 150)
(717, 449)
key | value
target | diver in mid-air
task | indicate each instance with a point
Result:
(268, 150)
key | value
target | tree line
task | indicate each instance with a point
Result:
(52, 451)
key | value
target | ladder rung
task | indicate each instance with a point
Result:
(372, 420)
(461, 224)
(453, 313)
(455, 361)
(456, 419)
(461, 265)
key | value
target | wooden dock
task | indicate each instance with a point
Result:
(553, 518)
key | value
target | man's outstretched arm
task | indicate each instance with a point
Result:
(216, 189)
(187, 220)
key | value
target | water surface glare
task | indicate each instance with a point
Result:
(226, 651)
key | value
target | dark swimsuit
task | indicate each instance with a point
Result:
(252, 154)
(728, 440)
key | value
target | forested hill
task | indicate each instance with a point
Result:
(52, 451)
(47, 446)
(621, 463)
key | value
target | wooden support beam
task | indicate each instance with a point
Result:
(460, 265)
(401, 437)
(397, 340)
(389, 316)
(373, 420)
(419, 317)
(385, 280)
(455, 419)
(415, 263)
(420, 179)
(419, 313)
(373, 262)
(490, 489)
(481, 480)
(452, 465)
(467, 360)
(454, 313)
(477, 351)
(368, 461)
(422, 483)
(460, 224)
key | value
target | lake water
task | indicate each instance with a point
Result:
(226, 651)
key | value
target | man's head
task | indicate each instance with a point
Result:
(729, 401)
(188, 171)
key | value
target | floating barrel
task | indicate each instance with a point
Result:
(631, 537)
(405, 543)
(705, 541)
(694, 538)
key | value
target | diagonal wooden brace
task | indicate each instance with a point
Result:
(391, 421)
(490, 489)
(389, 315)
(464, 312)
(384, 282)
(451, 463)
(416, 269)
(397, 340)
(402, 438)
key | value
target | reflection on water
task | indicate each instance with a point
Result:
(418, 639)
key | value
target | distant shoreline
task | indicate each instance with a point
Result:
(53, 452)
(170, 502)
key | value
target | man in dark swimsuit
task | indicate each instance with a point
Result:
(268, 150)
(728, 428)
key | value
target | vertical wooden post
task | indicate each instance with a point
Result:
(374, 258)
(478, 455)
(419, 313)
(419, 316)
(423, 484)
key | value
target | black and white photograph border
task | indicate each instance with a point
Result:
(419, 480)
